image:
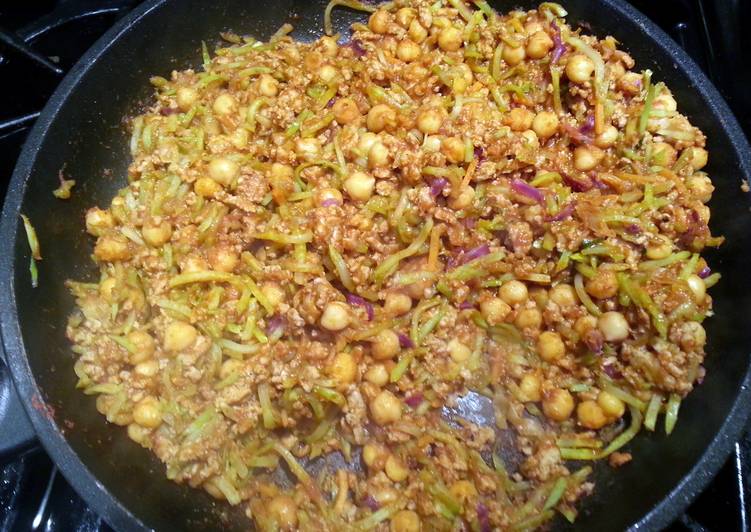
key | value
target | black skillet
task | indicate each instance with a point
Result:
(81, 129)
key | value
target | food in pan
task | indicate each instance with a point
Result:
(324, 247)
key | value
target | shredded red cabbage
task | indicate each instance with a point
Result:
(559, 49)
(353, 299)
(414, 400)
(611, 371)
(356, 47)
(470, 223)
(576, 134)
(577, 185)
(405, 342)
(370, 502)
(276, 324)
(633, 229)
(483, 517)
(588, 126)
(437, 186)
(166, 111)
(705, 272)
(480, 154)
(330, 202)
(466, 305)
(525, 189)
(475, 253)
(563, 214)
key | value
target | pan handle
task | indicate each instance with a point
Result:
(16, 431)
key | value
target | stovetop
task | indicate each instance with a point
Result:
(40, 40)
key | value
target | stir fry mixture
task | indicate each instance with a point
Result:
(324, 246)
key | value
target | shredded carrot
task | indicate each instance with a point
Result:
(435, 244)
(469, 174)
(675, 178)
(342, 484)
(599, 118)
(636, 178)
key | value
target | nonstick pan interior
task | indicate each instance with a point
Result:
(82, 132)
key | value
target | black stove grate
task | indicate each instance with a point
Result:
(41, 40)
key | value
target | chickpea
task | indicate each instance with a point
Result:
(587, 157)
(530, 388)
(697, 287)
(528, 318)
(550, 346)
(156, 232)
(591, 415)
(529, 137)
(417, 32)
(545, 124)
(395, 469)
(613, 326)
(385, 345)
(405, 16)
(453, 149)
(144, 346)
(147, 413)
(663, 154)
(408, 51)
(611, 405)
(206, 187)
(630, 83)
(405, 521)
(336, 316)
(374, 455)
(563, 295)
(397, 303)
(385, 495)
(239, 138)
(308, 149)
(463, 490)
(98, 221)
(179, 336)
(359, 186)
(431, 144)
(607, 138)
(327, 73)
(283, 510)
(107, 289)
(323, 195)
(513, 292)
(664, 101)
(146, 369)
(693, 336)
(112, 248)
(585, 324)
(429, 121)
(531, 27)
(224, 104)
(186, 98)
(699, 158)
(458, 351)
(701, 187)
(343, 368)
(223, 258)
(224, 170)
(558, 404)
(494, 310)
(137, 433)
(379, 21)
(603, 285)
(377, 374)
(268, 86)
(345, 111)
(579, 68)
(194, 264)
(381, 117)
(329, 46)
(273, 293)
(659, 248)
(539, 44)
(450, 39)
(378, 156)
(230, 366)
(366, 141)
(519, 119)
(385, 408)
(463, 199)
(513, 56)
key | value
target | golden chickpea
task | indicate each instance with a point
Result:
(630, 83)
(137, 433)
(107, 289)
(513, 56)
(397, 303)
(143, 344)
(458, 351)
(283, 510)
(663, 154)
(224, 104)
(146, 369)
(417, 32)
(229, 367)
(611, 405)
(563, 295)
(325, 195)
(335, 316)
(156, 232)
(607, 138)
(343, 368)
(587, 157)
(579, 68)
(377, 374)
(463, 490)
(223, 258)
(405, 16)
(112, 248)
(697, 287)
(513, 292)
(308, 149)
(385, 495)
(700, 186)
(699, 158)
(603, 285)
(381, 117)
(450, 39)
(329, 46)
(239, 138)
(206, 187)
(147, 413)
(453, 149)
(408, 51)
(664, 101)
(528, 318)
(379, 21)
(429, 121)
(550, 346)
(545, 124)
(194, 264)
(186, 98)
(98, 221)
(359, 186)
(374, 455)
(179, 336)
(591, 415)
(585, 324)
(519, 119)
(378, 156)
(327, 73)
(268, 86)
(345, 111)
(539, 44)
(366, 141)
(558, 404)
(659, 248)
(530, 388)
(385, 408)
(613, 326)
(273, 293)
(464, 199)
(531, 27)
(405, 521)
(395, 469)
(224, 170)
(313, 61)
(385, 345)
(494, 310)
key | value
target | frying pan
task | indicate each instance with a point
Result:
(81, 130)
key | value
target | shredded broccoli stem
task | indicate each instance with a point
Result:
(649, 265)
(31, 238)
(584, 296)
(341, 268)
(712, 280)
(328, 26)
(370, 522)
(208, 276)
(641, 298)
(391, 263)
(653, 409)
(555, 494)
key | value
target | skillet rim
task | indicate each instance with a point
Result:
(110, 507)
